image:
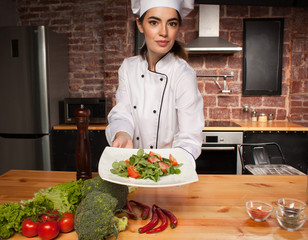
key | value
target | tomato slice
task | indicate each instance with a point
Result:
(127, 161)
(155, 154)
(163, 166)
(132, 172)
(152, 159)
(172, 160)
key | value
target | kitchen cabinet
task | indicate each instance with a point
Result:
(262, 60)
(63, 146)
(293, 145)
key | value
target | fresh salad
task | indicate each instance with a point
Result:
(146, 166)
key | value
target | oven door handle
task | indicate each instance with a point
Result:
(217, 148)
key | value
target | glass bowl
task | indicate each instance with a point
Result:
(291, 207)
(258, 211)
(290, 222)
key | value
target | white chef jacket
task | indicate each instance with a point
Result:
(160, 109)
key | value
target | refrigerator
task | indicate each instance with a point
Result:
(33, 82)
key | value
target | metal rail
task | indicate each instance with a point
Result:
(224, 76)
(224, 90)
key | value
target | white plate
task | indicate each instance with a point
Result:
(110, 155)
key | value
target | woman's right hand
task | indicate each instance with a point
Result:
(122, 140)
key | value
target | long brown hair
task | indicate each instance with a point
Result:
(177, 48)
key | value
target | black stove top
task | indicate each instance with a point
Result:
(221, 124)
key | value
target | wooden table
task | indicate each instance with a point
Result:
(212, 208)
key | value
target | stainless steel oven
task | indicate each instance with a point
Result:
(219, 153)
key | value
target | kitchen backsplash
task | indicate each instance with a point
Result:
(101, 35)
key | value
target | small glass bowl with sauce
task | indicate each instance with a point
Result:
(290, 222)
(258, 211)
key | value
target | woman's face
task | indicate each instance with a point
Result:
(160, 26)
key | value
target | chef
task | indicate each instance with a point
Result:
(158, 104)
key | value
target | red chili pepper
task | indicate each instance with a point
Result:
(130, 212)
(145, 209)
(172, 217)
(164, 222)
(152, 223)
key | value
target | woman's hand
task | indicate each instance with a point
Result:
(122, 140)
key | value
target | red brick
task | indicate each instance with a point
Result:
(237, 11)
(281, 114)
(231, 24)
(236, 37)
(299, 110)
(281, 11)
(228, 101)
(211, 88)
(201, 87)
(296, 103)
(236, 113)
(219, 113)
(297, 87)
(298, 45)
(274, 101)
(259, 11)
(209, 101)
(215, 61)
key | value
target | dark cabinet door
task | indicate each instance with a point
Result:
(262, 60)
(64, 149)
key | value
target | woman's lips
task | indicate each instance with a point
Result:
(162, 43)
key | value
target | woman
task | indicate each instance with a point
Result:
(158, 104)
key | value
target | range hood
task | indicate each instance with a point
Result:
(209, 40)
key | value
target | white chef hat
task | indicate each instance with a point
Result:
(139, 7)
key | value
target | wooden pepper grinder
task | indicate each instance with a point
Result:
(83, 154)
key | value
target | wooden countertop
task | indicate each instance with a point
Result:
(212, 208)
(244, 126)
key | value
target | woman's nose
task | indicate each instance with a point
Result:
(163, 31)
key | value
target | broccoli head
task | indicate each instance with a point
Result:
(118, 191)
(95, 217)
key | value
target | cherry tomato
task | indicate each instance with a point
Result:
(155, 154)
(48, 230)
(152, 159)
(29, 228)
(163, 166)
(66, 223)
(172, 160)
(50, 215)
(132, 172)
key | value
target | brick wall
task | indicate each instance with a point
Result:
(101, 35)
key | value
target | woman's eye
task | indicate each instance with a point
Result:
(153, 22)
(173, 24)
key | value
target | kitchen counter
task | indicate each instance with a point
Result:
(243, 126)
(212, 208)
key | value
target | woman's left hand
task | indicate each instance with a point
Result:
(122, 140)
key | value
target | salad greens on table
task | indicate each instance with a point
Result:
(146, 166)
(64, 197)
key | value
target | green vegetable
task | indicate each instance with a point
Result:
(146, 169)
(118, 191)
(95, 217)
(64, 197)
